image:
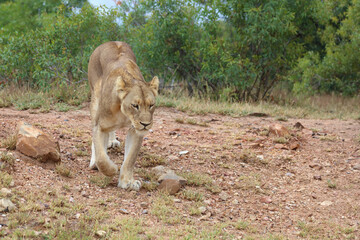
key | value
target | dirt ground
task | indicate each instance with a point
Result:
(311, 192)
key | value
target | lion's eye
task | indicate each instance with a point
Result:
(135, 106)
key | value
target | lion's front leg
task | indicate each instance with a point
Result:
(113, 143)
(99, 157)
(132, 146)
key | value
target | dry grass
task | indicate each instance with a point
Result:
(63, 170)
(10, 142)
(151, 160)
(318, 107)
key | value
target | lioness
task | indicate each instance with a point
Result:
(120, 97)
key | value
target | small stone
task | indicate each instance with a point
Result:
(71, 199)
(183, 152)
(171, 186)
(145, 211)
(318, 178)
(159, 170)
(176, 200)
(172, 175)
(223, 196)
(280, 146)
(266, 200)
(289, 174)
(84, 194)
(326, 203)
(123, 211)
(298, 125)
(279, 130)
(100, 233)
(235, 202)
(5, 192)
(6, 205)
(12, 183)
(202, 209)
(144, 205)
(356, 167)
(77, 216)
(294, 145)
(315, 165)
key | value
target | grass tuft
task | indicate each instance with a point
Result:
(10, 142)
(191, 195)
(101, 181)
(63, 170)
(196, 179)
(150, 160)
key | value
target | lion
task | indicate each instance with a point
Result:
(120, 98)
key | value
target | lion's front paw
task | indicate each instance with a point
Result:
(132, 185)
(113, 144)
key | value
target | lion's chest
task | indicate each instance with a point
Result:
(115, 121)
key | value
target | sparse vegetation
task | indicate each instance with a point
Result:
(10, 142)
(101, 180)
(281, 140)
(191, 195)
(331, 184)
(63, 170)
(196, 179)
(151, 160)
(163, 208)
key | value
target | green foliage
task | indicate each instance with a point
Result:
(339, 69)
(57, 53)
(226, 50)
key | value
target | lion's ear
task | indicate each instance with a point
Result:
(121, 87)
(154, 84)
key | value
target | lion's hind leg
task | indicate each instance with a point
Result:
(102, 160)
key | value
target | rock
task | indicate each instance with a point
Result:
(265, 200)
(160, 170)
(144, 205)
(100, 233)
(307, 132)
(298, 125)
(171, 186)
(123, 211)
(224, 196)
(35, 143)
(294, 145)
(235, 202)
(356, 167)
(326, 203)
(77, 216)
(318, 178)
(279, 130)
(172, 175)
(145, 211)
(202, 209)
(6, 205)
(315, 165)
(280, 146)
(5, 192)
(183, 152)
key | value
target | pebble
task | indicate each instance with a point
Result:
(100, 233)
(6, 205)
(143, 205)
(356, 167)
(326, 203)
(77, 216)
(224, 196)
(265, 200)
(145, 211)
(6, 192)
(202, 209)
(183, 152)
(235, 202)
(318, 178)
(123, 211)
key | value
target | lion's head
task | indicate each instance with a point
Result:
(138, 101)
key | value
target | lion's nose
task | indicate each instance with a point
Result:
(145, 124)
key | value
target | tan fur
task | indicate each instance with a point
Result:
(119, 98)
